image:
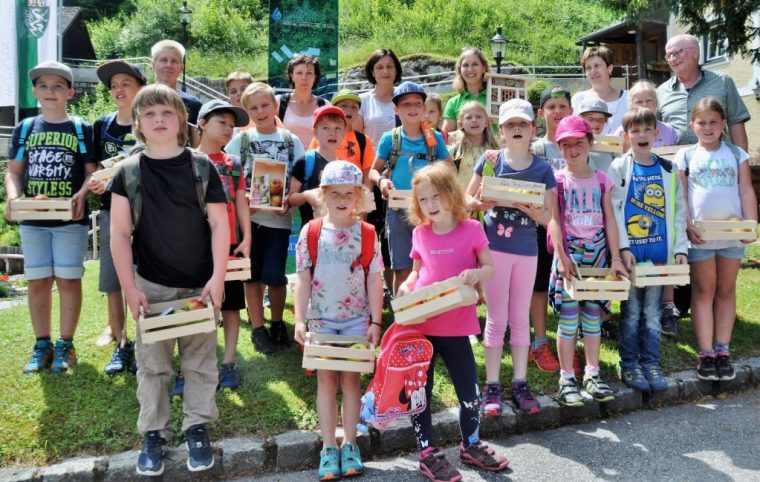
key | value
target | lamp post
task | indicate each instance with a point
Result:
(498, 48)
(184, 19)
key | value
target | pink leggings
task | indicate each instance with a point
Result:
(508, 296)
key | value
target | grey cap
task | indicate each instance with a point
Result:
(241, 116)
(51, 67)
(109, 69)
(594, 105)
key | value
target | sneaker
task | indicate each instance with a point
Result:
(610, 330)
(655, 377)
(121, 359)
(262, 341)
(725, 369)
(481, 455)
(707, 369)
(329, 463)
(669, 319)
(229, 377)
(435, 467)
(598, 389)
(569, 395)
(151, 459)
(492, 400)
(350, 460)
(65, 356)
(279, 334)
(577, 364)
(200, 455)
(634, 378)
(387, 297)
(178, 388)
(544, 358)
(42, 357)
(524, 399)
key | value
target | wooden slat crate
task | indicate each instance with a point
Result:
(58, 209)
(506, 192)
(110, 167)
(727, 230)
(419, 305)
(582, 288)
(367, 202)
(238, 269)
(399, 198)
(180, 323)
(662, 275)
(667, 152)
(609, 144)
(334, 352)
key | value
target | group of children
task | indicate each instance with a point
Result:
(167, 206)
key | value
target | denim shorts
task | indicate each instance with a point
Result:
(399, 232)
(269, 254)
(350, 327)
(55, 251)
(108, 282)
(734, 252)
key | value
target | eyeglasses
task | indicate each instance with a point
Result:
(676, 53)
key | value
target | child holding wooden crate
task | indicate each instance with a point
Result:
(719, 187)
(651, 221)
(445, 244)
(475, 136)
(351, 307)
(583, 233)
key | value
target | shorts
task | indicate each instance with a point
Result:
(734, 252)
(269, 255)
(54, 251)
(234, 293)
(543, 262)
(108, 281)
(399, 233)
(349, 327)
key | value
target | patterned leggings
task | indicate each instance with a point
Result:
(571, 312)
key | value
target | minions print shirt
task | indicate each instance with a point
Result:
(645, 214)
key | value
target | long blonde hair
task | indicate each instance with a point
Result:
(459, 84)
(490, 140)
(443, 177)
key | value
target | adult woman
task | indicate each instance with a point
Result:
(376, 116)
(296, 108)
(470, 82)
(597, 63)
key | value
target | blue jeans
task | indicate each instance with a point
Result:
(640, 327)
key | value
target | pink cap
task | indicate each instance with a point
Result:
(572, 126)
(325, 110)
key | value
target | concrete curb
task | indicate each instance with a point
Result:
(299, 449)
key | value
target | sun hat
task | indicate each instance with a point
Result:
(572, 126)
(515, 109)
(340, 173)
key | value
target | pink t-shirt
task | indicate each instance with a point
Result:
(444, 256)
(583, 204)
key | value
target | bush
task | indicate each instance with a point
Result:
(218, 27)
(90, 107)
(106, 37)
(534, 91)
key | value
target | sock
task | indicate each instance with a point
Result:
(519, 381)
(228, 365)
(68, 340)
(721, 348)
(493, 383)
(567, 375)
(591, 370)
(43, 338)
(538, 341)
(707, 353)
(426, 452)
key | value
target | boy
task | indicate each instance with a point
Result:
(180, 244)
(270, 232)
(595, 112)
(51, 157)
(235, 84)
(215, 123)
(403, 151)
(649, 207)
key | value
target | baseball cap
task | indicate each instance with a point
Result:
(326, 110)
(553, 92)
(408, 87)
(109, 69)
(515, 109)
(241, 116)
(51, 67)
(340, 173)
(594, 105)
(572, 126)
(346, 94)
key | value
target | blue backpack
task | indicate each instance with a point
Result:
(28, 123)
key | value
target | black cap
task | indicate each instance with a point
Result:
(109, 69)
(551, 92)
(241, 116)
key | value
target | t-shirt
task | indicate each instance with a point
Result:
(54, 166)
(713, 186)
(510, 230)
(379, 117)
(617, 108)
(444, 256)
(269, 146)
(172, 243)
(454, 104)
(223, 164)
(338, 248)
(193, 106)
(299, 172)
(349, 150)
(412, 156)
(118, 139)
(583, 204)
(644, 211)
(467, 163)
(543, 147)
(666, 135)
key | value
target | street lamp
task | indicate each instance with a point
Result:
(184, 19)
(498, 48)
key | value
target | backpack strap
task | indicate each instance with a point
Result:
(309, 159)
(106, 126)
(735, 151)
(687, 157)
(284, 101)
(368, 248)
(287, 138)
(201, 174)
(361, 139)
(26, 126)
(131, 169)
(320, 101)
(313, 230)
(489, 167)
(80, 134)
(245, 144)
(457, 154)
(395, 147)
(560, 178)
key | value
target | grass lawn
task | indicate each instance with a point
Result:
(47, 417)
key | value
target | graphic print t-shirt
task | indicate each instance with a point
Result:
(118, 139)
(645, 214)
(583, 204)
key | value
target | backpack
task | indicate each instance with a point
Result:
(309, 159)
(398, 386)
(234, 172)
(285, 100)
(365, 256)
(245, 144)
(28, 123)
(396, 148)
(561, 199)
(361, 139)
(131, 167)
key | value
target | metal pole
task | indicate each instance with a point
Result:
(184, 60)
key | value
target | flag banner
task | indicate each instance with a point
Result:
(37, 41)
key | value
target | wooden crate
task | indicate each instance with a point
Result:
(609, 144)
(266, 172)
(399, 198)
(333, 352)
(180, 323)
(667, 152)
(419, 305)
(600, 289)
(367, 202)
(110, 167)
(727, 230)
(238, 269)
(506, 191)
(662, 275)
(58, 209)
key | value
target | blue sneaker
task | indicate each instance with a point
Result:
(178, 389)
(635, 378)
(121, 359)
(65, 356)
(229, 377)
(655, 377)
(329, 463)
(200, 455)
(350, 460)
(42, 357)
(151, 460)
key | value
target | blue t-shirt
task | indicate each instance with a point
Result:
(645, 214)
(414, 150)
(510, 230)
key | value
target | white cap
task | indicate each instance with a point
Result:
(340, 173)
(516, 109)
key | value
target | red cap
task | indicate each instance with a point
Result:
(325, 110)
(572, 126)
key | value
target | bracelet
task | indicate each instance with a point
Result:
(376, 323)
(617, 259)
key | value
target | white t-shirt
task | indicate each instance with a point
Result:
(378, 116)
(617, 108)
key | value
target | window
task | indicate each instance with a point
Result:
(713, 48)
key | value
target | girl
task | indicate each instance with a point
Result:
(352, 307)
(446, 243)
(583, 233)
(597, 63)
(644, 94)
(471, 68)
(475, 136)
(718, 182)
(512, 234)
(433, 112)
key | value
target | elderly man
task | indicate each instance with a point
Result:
(168, 61)
(690, 83)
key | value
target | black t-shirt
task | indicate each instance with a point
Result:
(193, 106)
(118, 139)
(172, 244)
(299, 172)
